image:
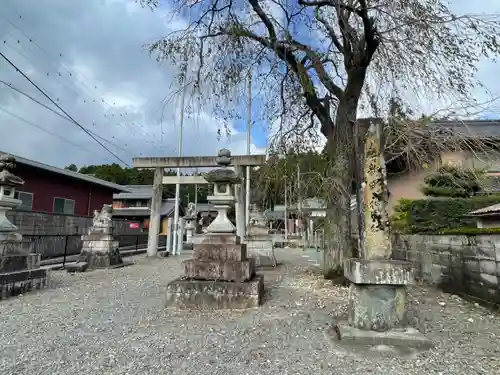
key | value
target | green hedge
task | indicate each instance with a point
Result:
(470, 231)
(436, 215)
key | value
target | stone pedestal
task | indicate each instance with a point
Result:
(99, 247)
(376, 311)
(220, 275)
(259, 240)
(189, 226)
(19, 265)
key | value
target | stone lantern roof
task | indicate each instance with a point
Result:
(222, 174)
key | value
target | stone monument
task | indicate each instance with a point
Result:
(99, 247)
(259, 240)
(19, 265)
(220, 275)
(377, 293)
(190, 222)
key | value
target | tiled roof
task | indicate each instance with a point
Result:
(136, 192)
(471, 128)
(67, 173)
(494, 209)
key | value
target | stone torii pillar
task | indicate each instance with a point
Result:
(154, 220)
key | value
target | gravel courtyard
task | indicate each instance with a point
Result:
(114, 322)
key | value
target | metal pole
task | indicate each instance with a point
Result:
(286, 210)
(299, 201)
(249, 127)
(175, 233)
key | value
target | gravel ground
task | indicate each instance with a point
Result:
(114, 322)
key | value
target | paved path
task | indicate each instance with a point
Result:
(114, 322)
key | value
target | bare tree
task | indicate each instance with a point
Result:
(317, 60)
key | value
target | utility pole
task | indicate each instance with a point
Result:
(249, 127)
(299, 201)
(175, 232)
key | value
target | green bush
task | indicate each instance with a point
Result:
(443, 191)
(450, 181)
(436, 215)
(470, 231)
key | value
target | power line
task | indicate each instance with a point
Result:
(139, 129)
(61, 109)
(61, 115)
(3, 109)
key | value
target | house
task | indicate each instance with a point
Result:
(487, 217)
(486, 156)
(135, 204)
(56, 190)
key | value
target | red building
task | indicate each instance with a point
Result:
(56, 190)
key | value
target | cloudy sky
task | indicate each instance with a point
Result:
(89, 56)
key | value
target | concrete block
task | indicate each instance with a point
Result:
(384, 272)
(398, 340)
(215, 295)
(76, 267)
(219, 270)
(220, 252)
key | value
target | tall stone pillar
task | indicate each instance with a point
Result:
(154, 219)
(377, 293)
(239, 206)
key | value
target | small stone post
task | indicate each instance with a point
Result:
(239, 206)
(180, 236)
(377, 292)
(170, 235)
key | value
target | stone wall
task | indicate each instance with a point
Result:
(458, 263)
(56, 234)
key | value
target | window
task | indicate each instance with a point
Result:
(26, 199)
(64, 206)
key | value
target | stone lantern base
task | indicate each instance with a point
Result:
(376, 311)
(220, 276)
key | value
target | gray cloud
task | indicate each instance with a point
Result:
(93, 63)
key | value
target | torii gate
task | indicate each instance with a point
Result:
(159, 164)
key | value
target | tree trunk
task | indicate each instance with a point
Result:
(340, 149)
(338, 215)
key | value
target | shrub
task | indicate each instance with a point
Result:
(436, 215)
(450, 181)
(470, 231)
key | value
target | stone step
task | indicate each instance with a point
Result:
(219, 270)
(203, 294)
(220, 252)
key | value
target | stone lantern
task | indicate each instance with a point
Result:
(19, 267)
(224, 198)
(220, 275)
(8, 184)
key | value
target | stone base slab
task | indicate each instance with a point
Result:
(215, 295)
(219, 270)
(100, 259)
(15, 283)
(221, 252)
(383, 272)
(394, 342)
